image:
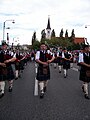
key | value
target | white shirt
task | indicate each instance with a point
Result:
(81, 57)
(14, 55)
(57, 54)
(37, 55)
(63, 56)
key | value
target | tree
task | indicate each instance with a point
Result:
(72, 33)
(33, 38)
(61, 33)
(76, 46)
(66, 33)
(36, 45)
(53, 33)
(43, 34)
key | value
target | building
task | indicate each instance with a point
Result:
(76, 40)
(48, 29)
(79, 40)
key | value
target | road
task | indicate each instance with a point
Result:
(64, 99)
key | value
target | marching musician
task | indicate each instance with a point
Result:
(6, 70)
(43, 74)
(59, 59)
(66, 61)
(84, 62)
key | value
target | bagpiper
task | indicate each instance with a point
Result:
(59, 59)
(6, 70)
(84, 62)
(43, 74)
(66, 61)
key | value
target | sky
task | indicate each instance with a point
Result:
(32, 16)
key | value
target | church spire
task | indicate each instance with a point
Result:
(48, 25)
(48, 34)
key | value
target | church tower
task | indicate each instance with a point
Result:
(48, 29)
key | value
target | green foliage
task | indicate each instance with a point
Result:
(61, 33)
(53, 33)
(43, 34)
(58, 41)
(36, 45)
(72, 33)
(66, 33)
(75, 46)
(33, 38)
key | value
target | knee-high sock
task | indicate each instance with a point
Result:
(41, 85)
(86, 88)
(59, 67)
(11, 83)
(17, 72)
(2, 86)
(55, 65)
(45, 83)
(65, 72)
(71, 64)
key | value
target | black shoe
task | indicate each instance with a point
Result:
(1, 95)
(21, 71)
(65, 76)
(10, 89)
(42, 95)
(45, 89)
(16, 78)
(19, 76)
(86, 96)
(59, 71)
(83, 89)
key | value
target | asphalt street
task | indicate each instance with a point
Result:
(64, 99)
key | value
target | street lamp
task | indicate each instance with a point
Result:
(4, 28)
(86, 26)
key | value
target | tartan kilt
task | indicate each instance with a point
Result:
(25, 60)
(60, 61)
(55, 60)
(3, 73)
(6, 73)
(66, 65)
(22, 65)
(43, 73)
(17, 66)
(82, 75)
(10, 73)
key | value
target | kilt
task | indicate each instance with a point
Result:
(60, 61)
(17, 66)
(66, 65)
(6, 73)
(43, 73)
(22, 65)
(10, 73)
(3, 73)
(25, 60)
(83, 77)
(55, 60)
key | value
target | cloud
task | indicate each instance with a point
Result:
(32, 16)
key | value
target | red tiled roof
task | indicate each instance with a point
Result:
(79, 40)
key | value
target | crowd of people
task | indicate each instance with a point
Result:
(61, 58)
(12, 64)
